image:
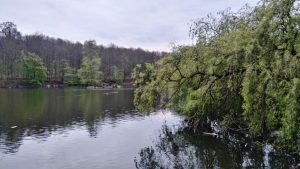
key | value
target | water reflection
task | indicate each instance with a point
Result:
(74, 128)
(180, 149)
(38, 113)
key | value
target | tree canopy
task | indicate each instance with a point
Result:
(33, 68)
(89, 72)
(243, 72)
(118, 75)
(63, 58)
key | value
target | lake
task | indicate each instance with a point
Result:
(95, 129)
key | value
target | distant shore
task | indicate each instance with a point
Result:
(103, 85)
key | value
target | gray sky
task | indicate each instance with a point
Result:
(149, 24)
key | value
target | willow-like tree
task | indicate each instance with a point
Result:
(244, 72)
(32, 68)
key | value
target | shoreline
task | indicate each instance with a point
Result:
(103, 86)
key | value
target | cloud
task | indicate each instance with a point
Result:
(148, 24)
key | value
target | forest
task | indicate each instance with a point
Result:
(243, 74)
(38, 59)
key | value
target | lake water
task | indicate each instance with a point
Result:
(93, 129)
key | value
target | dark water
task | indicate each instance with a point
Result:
(77, 128)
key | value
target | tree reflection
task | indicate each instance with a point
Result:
(181, 149)
(38, 113)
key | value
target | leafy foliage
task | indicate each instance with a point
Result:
(118, 75)
(33, 68)
(56, 53)
(243, 72)
(68, 74)
(89, 72)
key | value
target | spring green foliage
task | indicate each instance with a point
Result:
(243, 72)
(89, 72)
(118, 75)
(33, 68)
(145, 92)
(68, 73)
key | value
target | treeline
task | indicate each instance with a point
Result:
(243, 74)
(59, 56)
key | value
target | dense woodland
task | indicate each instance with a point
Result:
(242, 74)
(38, 58)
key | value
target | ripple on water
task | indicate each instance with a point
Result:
(101, 129)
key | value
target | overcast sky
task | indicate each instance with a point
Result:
(149, 24)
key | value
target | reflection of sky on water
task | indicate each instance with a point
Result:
(92, 129)
(115, 145)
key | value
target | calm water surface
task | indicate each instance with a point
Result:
(93, 129)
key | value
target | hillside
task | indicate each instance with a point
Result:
(58, 55)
